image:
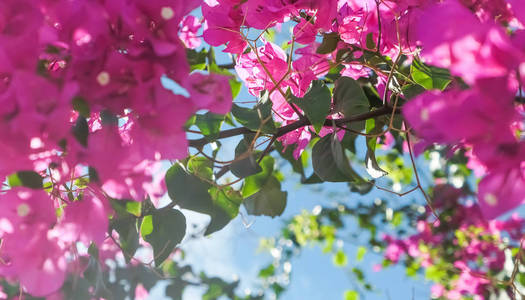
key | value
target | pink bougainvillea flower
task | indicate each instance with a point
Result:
(22, 207)
(258, 70)
(85, 227)
(35, 259)
(518, 8)
(304, 32)
(141, 293)
(212, 91)
(457, 115)
(190, 25)
(501, 191)
(222, 25)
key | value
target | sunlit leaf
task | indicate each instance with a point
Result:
(430, 77)
(169, 228)
(315, 104)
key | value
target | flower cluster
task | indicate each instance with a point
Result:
(83, 105)
(85, 116)
(464, 254)
(480, 42)
(481, 113)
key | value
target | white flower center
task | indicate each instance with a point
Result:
(167, 13)
(23, 210)
(103, 78)
(491, 199)
(425, 115)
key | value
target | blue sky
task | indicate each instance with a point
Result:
(232, 253)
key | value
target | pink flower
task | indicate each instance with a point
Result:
(472, 115)
(262, 70)
(501, 191)
(190, 25)
(141, 293)
(211, 92)
(355, 71)
(23, 207)
(377, 267)
(304, 32)
(437, 290)
(468, 47)
(159, 134)
(222, 25)
(35, 259)
(518, 7)
(85, 227)
(470, 284)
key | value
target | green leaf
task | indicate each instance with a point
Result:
(330, 163)
(187, 190)
(435, 273)
(210, 125)
(370, 43)
(175, 289)
(268, 201)
(214, 68)
(342, 55)
(521, 279)
(412, 90)
(200, 167)
(236, 87)
(245, 167)
(213, 293)
(329, 43)
(81, 131)
(228, 119)
(267, 272)
(126, 226)
(257, 118)
(412, 269)
(312, 179)
(226, 203)
(169, 228)
(93, 175)
(81, 106)
(361, 251)
(351, 295)
(254, 183)
(373, 126)
(245, 161)
(197, 60)
(95, 276)
(340, 259)
(28, 179)
(397, 218)
(134, 208)
(348, 142)
(361, 187)
(360, 276)
(297, 164)
(430, 77)
(269, 34)
(315, 103)
(93, 250)
(146, 227)
(190, 122)
(190, 192)
(350, 99)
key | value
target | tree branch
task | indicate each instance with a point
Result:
(199, 143)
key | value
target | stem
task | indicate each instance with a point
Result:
(199, 143)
